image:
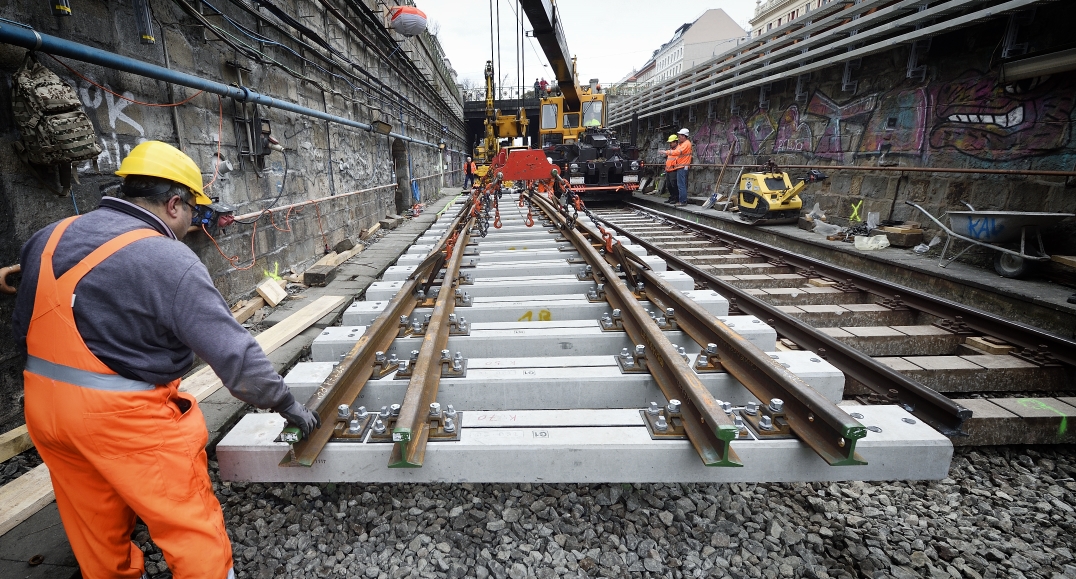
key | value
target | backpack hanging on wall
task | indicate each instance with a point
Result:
(55, 130)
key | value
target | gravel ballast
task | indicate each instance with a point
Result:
(1003, 512)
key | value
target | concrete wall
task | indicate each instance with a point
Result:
(890, 119)
(323, 160)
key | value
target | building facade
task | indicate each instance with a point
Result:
(776, 13)
(693, 43)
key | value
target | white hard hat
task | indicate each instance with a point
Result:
(682, 132)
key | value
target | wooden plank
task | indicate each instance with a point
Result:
(24, 496)
(14, 442)
(988, 346)
(271, 291)
(342, 257)
(319, 275)
(369, 231)
(248, 308)
(1068, 260)
(204, 382)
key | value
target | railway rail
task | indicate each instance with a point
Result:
(523, 341)
(893, 343)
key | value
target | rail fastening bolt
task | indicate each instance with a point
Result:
(711, 348)
(343, 411)
(674, 406)
(660, 424)
(361, 412)
(414, 356)
(450, 425)
(353, 426)
(670, 313)
(653, 409)
(435, 408)
(616, 314)
(751, 408)
(379, 426)
(765, 423)
(395, 409)
(776, 405)
(727, 407)
(451, 412)
(640, 351)
(379, 357)
(639, 286)
(405, 321)
(446, 355)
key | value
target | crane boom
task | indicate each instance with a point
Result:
(545, 20)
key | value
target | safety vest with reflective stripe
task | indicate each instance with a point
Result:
(682, 155)
(55, 347)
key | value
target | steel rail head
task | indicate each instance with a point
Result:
(346, 381)
(709, 429)
(412, 429)
(932, 407)
(822, 425)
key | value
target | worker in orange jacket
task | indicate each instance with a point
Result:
(670, 174)
(681, 158)
(111, 310)
(470, 170)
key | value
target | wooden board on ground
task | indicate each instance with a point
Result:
(369, 231)
(24, 496)
(271, 292)
(1068, 260)
(247, 309)
(989, 346)
(319, 275)
(14, 442)
(204, 382)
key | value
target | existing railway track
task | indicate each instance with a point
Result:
(529, 344)
(892, 342)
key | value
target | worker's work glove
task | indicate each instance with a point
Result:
(300, 416)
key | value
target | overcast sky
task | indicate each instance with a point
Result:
(610, 37)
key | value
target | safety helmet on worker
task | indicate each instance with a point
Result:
(672, 139)
(161, 160)
(683, 132)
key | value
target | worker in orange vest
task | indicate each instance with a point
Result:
(681, 158)
(102, 375)
(470, 170)
(670, 175)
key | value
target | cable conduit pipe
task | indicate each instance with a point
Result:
(21, 35)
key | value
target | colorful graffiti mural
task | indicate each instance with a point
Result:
(987, 120)
(973, 115)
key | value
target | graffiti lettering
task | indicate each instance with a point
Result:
(986, 228)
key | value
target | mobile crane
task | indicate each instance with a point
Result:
(572, 120)
(496, 127)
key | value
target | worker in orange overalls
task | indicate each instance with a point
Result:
(111, 311)
(680, 157)
(670, 172)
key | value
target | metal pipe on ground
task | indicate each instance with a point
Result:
(958, 170)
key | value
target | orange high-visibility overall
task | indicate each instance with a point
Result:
(117, 448)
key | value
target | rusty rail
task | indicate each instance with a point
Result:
(412, 429)
(930, 406)
(707, 426)
(958, 170)
(350, 376)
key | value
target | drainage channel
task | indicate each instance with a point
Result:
(560, 353)
(1013, 383)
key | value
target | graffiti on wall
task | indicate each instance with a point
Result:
(117, 131)
(973, 115)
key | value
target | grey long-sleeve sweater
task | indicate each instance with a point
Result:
(150, 307)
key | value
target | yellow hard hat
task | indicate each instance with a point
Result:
(157, 159)
(671, 139)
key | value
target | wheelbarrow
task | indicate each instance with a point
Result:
(989, 228)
